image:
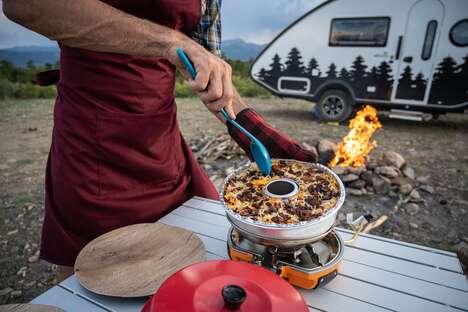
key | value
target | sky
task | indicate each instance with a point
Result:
(255, 21)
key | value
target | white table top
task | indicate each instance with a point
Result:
(377, 274)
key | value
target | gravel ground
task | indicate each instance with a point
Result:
(436, 149)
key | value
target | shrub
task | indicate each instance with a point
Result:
(17, 82)
(248, 88)
(245, 86)
(27, 91)
(47, 92)
(182, 90)
(7, 88)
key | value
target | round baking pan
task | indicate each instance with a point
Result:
(311, 230)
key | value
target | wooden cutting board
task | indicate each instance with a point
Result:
(135, 260)
(28, 307)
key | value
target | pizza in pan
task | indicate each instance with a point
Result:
(318, 191)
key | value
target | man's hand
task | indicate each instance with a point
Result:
(213, 83)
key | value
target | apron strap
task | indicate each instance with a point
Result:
(48, 77)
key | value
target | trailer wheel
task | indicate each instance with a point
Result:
(334, 105)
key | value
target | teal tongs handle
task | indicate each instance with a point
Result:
(189, 66)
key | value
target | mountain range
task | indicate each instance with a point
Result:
(39, 55)
(237, 49)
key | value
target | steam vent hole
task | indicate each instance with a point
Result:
(282, 188)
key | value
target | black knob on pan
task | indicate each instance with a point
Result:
(233, 296)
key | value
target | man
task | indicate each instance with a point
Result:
(117, 156)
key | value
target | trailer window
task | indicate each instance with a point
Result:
(429, 40)
(364, 32)
(459, 33)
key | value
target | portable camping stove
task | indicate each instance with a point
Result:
(308, 266)
(307, 254)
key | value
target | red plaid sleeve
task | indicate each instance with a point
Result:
(278, 144)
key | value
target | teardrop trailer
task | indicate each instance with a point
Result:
(406, 56)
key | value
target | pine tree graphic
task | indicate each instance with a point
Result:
(270, 77)
(406, 77)
(358, 69)
(449, 84)
(384, 73)
(331, 73)
(344, 74)
(294, 64)
(420, 81)
(384, 81)
(373, 75)
(446, 69)
(463, 69)
(275, 67)
(263, 74)
(411, 89)
(311, 66)
(461, 83)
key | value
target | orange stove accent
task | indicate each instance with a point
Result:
(240, 256)
(308, 280)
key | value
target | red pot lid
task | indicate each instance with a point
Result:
(212, 286)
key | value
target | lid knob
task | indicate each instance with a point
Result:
(233, 296)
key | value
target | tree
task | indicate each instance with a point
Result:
(463, 69)
(358, 69)
(30, 64)
(384, 80)
(461, 83)
(276, 67)
(263, 74)
(405, 90)
(313, 65)
(445, 89)
(331, 73)
(384, 72)
(373, 74)
(406, 77)
(7, 70)
(446, 69)
(419, 80)
(344, 74)
(294, 64)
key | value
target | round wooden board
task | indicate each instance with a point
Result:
(135, 260)
(29, 307)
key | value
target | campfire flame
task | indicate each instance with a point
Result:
(352, 151)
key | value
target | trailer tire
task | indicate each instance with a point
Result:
(334, 105)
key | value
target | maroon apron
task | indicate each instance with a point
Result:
(117, 154)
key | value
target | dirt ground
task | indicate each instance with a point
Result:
(436, 149)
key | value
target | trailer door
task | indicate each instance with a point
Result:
(416, 50)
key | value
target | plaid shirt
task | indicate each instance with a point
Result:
(278, 144)
(208, 33)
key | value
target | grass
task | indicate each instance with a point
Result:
(23, 162)
(22, 199)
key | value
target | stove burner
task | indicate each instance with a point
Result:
(297, 264)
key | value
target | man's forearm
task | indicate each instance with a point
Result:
(238, 105)
(93, 25)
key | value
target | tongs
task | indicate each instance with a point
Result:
(259, 152)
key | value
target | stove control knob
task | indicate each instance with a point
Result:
(233, 296)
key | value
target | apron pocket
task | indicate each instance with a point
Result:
(137, 152)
